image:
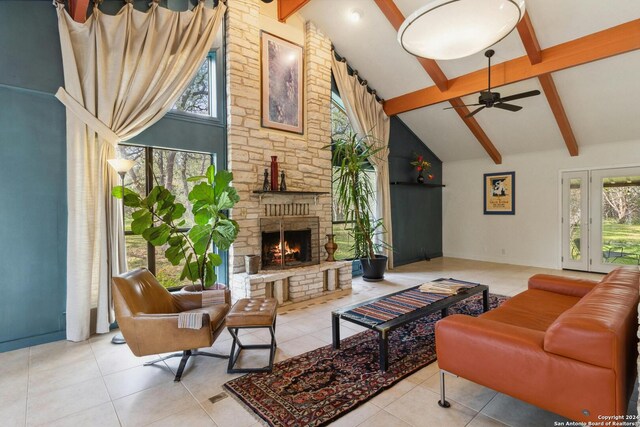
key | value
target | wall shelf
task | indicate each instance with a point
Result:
(417, 184)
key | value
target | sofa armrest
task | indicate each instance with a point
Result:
(561, 285)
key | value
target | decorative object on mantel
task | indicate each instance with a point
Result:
(282, 84)
(158, 218)
(283, 183)
(330, 247)
(251, 264)
(500, 193)
(335, 382)
(422, 166)
(274, 173)
(266, 184)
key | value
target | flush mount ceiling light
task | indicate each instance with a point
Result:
(355, 15)
(451, 29)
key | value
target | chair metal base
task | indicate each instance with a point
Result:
(443, 402)
(185, 355)
(236, 342)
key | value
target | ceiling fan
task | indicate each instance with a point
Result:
(490, 99)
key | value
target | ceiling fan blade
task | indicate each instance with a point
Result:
(473, 112)
(509, 107)
(461, 106)
(520, 95)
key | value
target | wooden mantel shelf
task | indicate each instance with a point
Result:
(314, 194)
(417, 184)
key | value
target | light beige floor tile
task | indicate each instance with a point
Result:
(13, 411)
(59, 354)
(153, 404)
(12, 361)
(419, 407)
(13, 384)
(425, 373)
(470, 394)
(133, 380)
(118, 358)
(103, 415)
(517, 413)
(357, 416)
(384, 419)
(45, 380)
(300, 345)
(192, 417)
(482, 420)
(394, 393)
(229, 413)
(52, 405)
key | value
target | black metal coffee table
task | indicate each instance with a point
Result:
(382, 314)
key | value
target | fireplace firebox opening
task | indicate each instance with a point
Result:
(289, 242)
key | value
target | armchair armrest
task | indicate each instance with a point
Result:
(561, 285)
(159, 333)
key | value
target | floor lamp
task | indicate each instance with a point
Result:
(122, 166)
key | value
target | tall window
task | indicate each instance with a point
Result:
(200, 96)
(341, 128)
(169, 168)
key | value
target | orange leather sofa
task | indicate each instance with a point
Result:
(565, 345)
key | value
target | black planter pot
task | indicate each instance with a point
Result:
(374, 268)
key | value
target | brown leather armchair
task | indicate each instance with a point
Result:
(147, 315)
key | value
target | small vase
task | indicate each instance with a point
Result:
(420, 178)
(274, 173)
(330, 247)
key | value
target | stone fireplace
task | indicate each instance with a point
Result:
(289, 242)
(297, 272)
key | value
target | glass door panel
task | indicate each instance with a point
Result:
(575, 225)
(615, 204)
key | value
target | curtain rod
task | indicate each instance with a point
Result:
(355, 74)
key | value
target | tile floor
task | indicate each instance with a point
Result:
(96, 383)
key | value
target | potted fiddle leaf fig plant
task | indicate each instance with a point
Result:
(159, 219)
(354, 192)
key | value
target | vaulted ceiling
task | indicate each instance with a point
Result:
(591, 86)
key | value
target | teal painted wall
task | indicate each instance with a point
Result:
(416, 212)
(33, 169)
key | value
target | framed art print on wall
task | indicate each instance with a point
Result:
(500, 193)
(282, 84)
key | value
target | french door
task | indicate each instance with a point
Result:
(601, 219)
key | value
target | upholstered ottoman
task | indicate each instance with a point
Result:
(252, 313)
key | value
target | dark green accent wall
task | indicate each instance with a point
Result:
(416, 210)
(33, 209)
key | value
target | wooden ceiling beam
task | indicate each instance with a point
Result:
(396, 18)
(549, 88)
(286, 8)
(529, 39)
(531, 45)
(78, 10)
(476, 130)
(603, 44)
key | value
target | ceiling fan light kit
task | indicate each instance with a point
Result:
(452, 29)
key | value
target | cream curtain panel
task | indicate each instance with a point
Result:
(122, 73)
(368, 119)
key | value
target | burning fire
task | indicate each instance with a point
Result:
(290, 253)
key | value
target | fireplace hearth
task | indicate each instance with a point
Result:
(289, 242)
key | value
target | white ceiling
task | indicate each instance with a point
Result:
(600, 99)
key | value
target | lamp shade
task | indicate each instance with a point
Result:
(121, 165)
(451, 29)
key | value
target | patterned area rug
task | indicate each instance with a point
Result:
(317, 387)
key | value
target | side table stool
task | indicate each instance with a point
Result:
(251, 313)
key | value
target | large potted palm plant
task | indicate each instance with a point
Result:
(159, 219)
(354, 193)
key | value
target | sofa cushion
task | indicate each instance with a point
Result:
(533, 309)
